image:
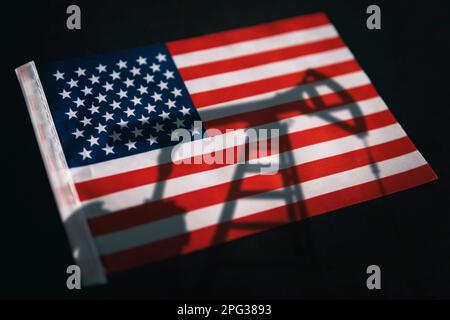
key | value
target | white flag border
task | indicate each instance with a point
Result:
(70, 209)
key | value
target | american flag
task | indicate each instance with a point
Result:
(114, 115)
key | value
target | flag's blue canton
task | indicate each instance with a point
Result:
(116, 105)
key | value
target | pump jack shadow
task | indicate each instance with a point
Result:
(292, 100)
(315, 106)
(168, 205)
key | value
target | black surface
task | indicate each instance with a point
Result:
(407, 234)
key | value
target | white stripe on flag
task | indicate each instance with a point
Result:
(269, 70)
(254, 46)
(176, 186)
(273, 98)
(204, 217)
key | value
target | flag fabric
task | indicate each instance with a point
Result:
(114, 115)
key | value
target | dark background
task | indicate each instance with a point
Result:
(406, 234)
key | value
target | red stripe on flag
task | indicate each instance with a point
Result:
(252, 60)
(245, 34)
(102, 186)
(292, 109)
(266, 220)
(207, 98)
(258, 184)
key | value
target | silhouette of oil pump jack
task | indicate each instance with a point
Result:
(291, 191)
